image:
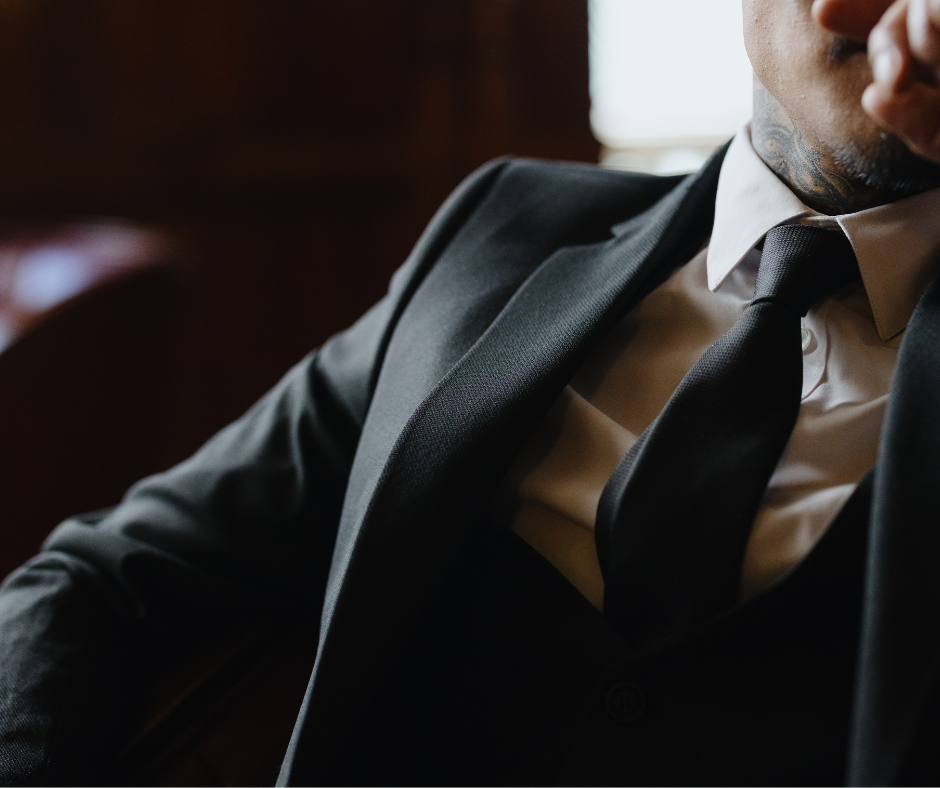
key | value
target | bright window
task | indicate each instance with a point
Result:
(670, 80)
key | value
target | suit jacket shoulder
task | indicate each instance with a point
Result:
(246, 528)
(507, 205)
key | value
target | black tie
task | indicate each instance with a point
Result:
(674, 519)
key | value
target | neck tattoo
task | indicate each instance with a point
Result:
(816, 177)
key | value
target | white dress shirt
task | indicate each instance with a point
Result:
(550, 495)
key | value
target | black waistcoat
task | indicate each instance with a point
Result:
(513, 678)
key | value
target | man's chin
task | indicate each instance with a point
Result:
(886, 164)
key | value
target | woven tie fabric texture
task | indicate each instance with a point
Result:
(673, 522)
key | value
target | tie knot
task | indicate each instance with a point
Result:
(801, 265)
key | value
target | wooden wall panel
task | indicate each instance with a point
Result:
(296, 147)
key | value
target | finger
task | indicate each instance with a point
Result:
(889, 50)
(933, 12)
(851, 18)
(923, 34)
(914, 115)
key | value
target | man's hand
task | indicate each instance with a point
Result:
(904, 52)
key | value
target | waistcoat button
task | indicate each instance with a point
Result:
(806, 338)
(625, 702)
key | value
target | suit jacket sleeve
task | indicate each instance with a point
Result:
(242, 530)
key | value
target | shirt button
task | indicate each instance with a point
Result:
(625, 702)
(806, 337)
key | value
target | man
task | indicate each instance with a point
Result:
(761, 606)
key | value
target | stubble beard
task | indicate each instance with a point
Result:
(888, 167)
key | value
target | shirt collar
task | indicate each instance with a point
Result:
(897, 245)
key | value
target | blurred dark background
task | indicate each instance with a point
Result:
(285, 154)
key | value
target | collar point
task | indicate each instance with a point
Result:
(715, 280)
(888, 333)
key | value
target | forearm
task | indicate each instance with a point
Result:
(242, 532)
(58, 643)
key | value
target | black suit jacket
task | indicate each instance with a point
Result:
(346, 490)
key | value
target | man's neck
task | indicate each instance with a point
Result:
(811, 173)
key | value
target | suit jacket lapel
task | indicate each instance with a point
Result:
(455, 446)
(900, 648)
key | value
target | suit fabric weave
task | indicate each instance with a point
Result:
(344, 497)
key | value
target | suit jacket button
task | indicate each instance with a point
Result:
(625, 702)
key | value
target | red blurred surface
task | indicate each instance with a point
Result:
(85, 398)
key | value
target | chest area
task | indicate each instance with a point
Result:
(512, 677)
(550, 494)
